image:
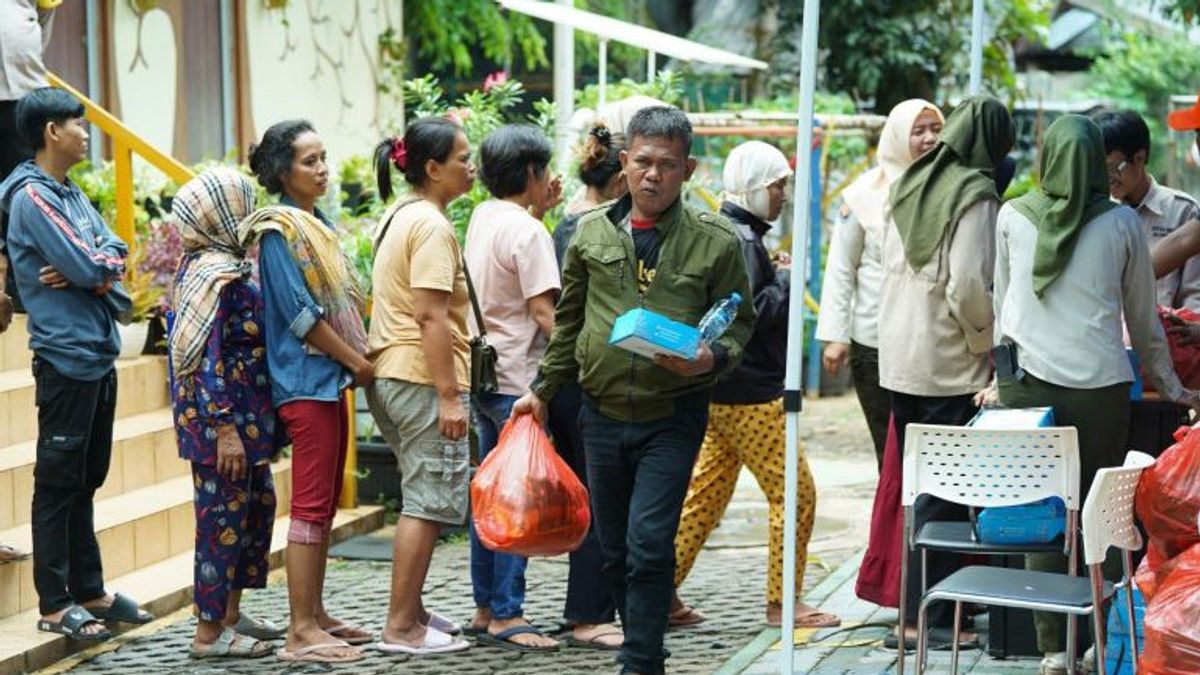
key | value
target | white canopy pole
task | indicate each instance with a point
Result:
(564, 90)
(651, 58)
(603, 75)
(976, 47)
(792, 395)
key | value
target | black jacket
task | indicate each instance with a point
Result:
(759, 377)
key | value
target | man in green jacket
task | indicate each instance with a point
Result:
(642, 421)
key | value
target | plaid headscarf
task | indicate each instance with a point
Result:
(207, 211)
(328, 273)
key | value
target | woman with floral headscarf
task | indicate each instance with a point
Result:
(847, 323)
(224, 423)
(746, 420)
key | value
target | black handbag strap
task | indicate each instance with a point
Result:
(474, 300)
(466, 272)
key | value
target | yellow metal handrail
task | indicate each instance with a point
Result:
(125, 143)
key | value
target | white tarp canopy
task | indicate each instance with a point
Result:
(607, 28)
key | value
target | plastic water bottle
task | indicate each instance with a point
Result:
(717, 319)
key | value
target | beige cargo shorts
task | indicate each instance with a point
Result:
(434, 470)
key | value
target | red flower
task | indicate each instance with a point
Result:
(498, 77)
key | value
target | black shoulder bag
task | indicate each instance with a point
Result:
(483, 355)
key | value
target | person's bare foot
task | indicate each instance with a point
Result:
(297, 640)
(412, 636)
(101, 603)
(481, 619)
(343, 631)
(536, 640)
(806, 616)
(910, 633)
(604, 634)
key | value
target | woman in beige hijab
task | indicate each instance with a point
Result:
(850, 292)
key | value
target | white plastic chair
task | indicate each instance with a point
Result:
(983, 468)
(1107, 521)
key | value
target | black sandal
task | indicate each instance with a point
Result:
(72, 623)
(123, 609)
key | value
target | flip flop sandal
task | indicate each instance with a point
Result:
(353, 640)
(123, 609)
(229, 646)
(72, 623)
(443, 624)
(593, 642)
(685, 616)
(503, 640)
(938, 641)
(9, 554)
(312, 654)
(435, 642)
(813, 620)
(259, 629)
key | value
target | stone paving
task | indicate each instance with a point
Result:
(725, 585)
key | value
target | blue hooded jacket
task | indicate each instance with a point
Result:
(51, 223)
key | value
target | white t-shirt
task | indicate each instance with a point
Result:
(510, 256)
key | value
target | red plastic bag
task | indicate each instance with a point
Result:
(525, 500)
(1168, 495)
(1171, 627)
(1185, 358)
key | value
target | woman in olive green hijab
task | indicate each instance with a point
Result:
(1069, 263)
(935, 310)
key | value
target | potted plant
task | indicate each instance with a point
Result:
(146, 299)
(354, 176)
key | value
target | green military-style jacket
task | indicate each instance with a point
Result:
(700, 262)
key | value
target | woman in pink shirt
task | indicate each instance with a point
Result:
(510, 256)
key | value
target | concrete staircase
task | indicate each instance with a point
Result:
(144, 516)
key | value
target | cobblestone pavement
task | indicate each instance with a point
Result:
(727, 584)
(728, 587)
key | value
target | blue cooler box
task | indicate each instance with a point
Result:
(1117, 657)
(648, 334)
(1036, 523)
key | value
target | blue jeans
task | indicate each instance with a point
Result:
(498, 579)
(638, 473)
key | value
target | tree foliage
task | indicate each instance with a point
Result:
(446, 31)
(883, 52)
(1141, 72)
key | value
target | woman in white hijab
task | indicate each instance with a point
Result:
(853, 270)
(746, 420)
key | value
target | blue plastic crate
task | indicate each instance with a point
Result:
(1037, 523)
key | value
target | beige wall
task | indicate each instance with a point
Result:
(321, 65)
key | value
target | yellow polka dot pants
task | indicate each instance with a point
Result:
(750, 435)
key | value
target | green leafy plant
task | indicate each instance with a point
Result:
(1141, 72)
(446, 33)
(666, 86)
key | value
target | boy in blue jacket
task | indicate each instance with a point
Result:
(68, 266)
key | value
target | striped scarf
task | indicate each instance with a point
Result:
(327, 273)
(207, 210)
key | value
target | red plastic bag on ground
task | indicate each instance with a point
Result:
(1172, 629)
(1168, 495)
(525, 500)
